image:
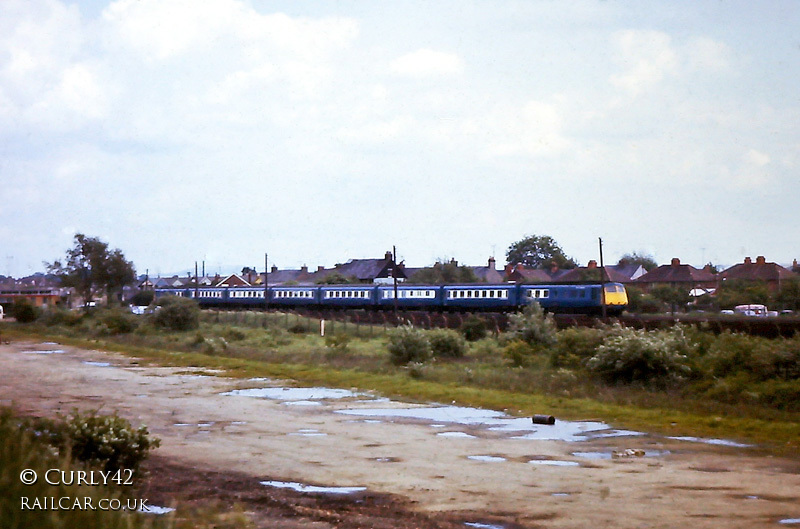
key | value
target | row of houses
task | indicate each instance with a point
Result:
(369, 271)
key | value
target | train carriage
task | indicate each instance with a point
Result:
(294, 296)
(347, 296)
(246, 296)
(410, 297)
(479, 297)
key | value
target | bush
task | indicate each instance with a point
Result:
(447, 343)
(533, 326)
(409, 344)
(521, 353)
(651, 357)
(473, 328)
(70, 318)
(24, 311)
(105, 441)
(574, 346)
(117, 321)
(337, 341)
(177, 314)
(758, 358)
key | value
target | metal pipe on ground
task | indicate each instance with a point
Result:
(544, 419)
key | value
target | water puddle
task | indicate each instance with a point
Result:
(480, 525)
(717, 442)
(155, 509)
(295, 394)
(299, 487)
(561, 494)
(461, 435)
(790, 521)
(618, 454)
(43, 352)
(488, 459)
(302, 403)
(308, 432)
(554, 463)
(97, 364)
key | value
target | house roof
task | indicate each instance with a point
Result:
(519, 273)
(675, 272)
(761, 270)
(364, 269)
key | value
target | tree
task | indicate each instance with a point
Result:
(645, 260)
(674, 296)
(444, 272)
(91, 268)
(537, 251)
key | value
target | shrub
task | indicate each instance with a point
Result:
(337, 341)
(177, 314)
(408, 344)
(533, 326)
(24, 311)
(521, 353)
(473, 328)
(652, 357)
(117, 321)
(447, 343)
(106, 441)
(758, 358)
(574, 346)
(54, 317)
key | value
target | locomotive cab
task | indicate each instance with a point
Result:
(614, 297)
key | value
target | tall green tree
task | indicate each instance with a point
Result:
(539, 251)
(91, 268)
(444, 272)
(645, 260)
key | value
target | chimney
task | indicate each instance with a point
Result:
(761, 260)
(453, 262)
(676, 261)
(748, 261)
(491, 263)
(320, 268)
(592, 265)
(304, 269)
(553, 267)
(509, 268)
(388, 256)
(273, 269)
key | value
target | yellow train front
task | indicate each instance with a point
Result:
(615, 298)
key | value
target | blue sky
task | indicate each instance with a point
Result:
(183, 131)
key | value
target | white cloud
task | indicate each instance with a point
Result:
(707, 55)
(647, 56)
(427, 63)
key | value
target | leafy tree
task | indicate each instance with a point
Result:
(91, 268)
(444, 272)
(538, 251)
(734, 292)
(645, 260)
(337, 278)
(671, 295)
(789, 295)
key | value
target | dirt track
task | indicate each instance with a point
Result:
(679, 483)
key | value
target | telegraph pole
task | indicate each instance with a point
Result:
(602, 280)
(394, 276)
(266, 272)
(195, 280)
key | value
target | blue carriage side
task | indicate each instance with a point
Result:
(294, 296)
(347, 296)
(479, 297)
(410, 297)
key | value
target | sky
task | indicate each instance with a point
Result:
(216, 131)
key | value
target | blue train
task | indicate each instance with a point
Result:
(556, 298)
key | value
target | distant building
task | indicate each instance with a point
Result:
(366, 271)
(771, 274)
(677, 274)
(488, 273)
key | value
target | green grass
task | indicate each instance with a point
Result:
(244, 348)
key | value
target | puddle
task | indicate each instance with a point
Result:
(487, 459)
(462, 435)
(302, 403)
(44, 352)
(480, 525)
(155, 509)
(295, 394)
(561, 494)
(554, 463)
(616, 454)
(299, 487)
(238, 422)
(308, 432)
(98, 364)
(790, 521)
(718, 442)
